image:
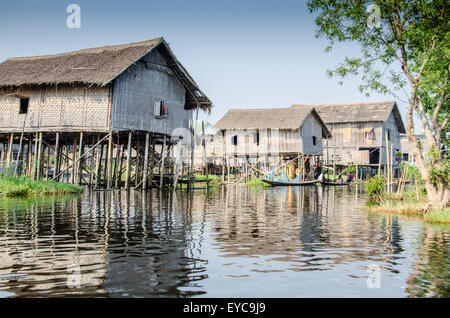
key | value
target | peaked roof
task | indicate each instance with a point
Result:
(272, 118)
(357, 112)
(95, 66)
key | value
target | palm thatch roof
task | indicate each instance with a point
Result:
(357, 112)
(269, 118)
(94, 66)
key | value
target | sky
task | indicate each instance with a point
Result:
(242, 54)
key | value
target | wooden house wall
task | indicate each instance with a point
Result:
(136, 90)
(311, 128)
(62, 108)
(394, 138)
(347, 150)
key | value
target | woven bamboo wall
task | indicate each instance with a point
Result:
(135, 91)
(62, 108)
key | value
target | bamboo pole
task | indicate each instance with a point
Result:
(57, 155)
(39, 157)
(161, 172)
(98, 162)
(109, 163)
(387, 163)
(10, 150)
(127, 177)
(147, 145)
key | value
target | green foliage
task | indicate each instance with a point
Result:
(20, 186)
(412, 172)
(375, 188)
(257, 182)
(438, 216)
(440, 170)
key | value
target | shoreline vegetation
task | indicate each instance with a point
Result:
(24, 186)
(410, 202)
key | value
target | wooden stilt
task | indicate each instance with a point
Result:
(109, 163)
(120, 166)
(137, 170)
(161, 170)
(152, 161)
(98, 165)
(57, 156)
(39, 158)
(128, 166)
(92, 164)
(10, 150)
(74, 158)
(147, 145)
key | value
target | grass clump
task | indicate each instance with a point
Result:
(22, 186)
(375, 189)
(257, 183)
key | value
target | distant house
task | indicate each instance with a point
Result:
(75, 99)
(405, 148)
(359, 132)
(266, 136)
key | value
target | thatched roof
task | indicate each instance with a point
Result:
(265, 118)
(94, 66)
(357, 112)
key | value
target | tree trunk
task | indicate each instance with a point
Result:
(438, 193)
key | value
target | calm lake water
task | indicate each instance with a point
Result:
(233, 241)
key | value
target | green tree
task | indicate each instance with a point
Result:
(404, 47)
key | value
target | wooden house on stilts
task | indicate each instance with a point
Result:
(260, 140)
(101, 116)
(365, 135)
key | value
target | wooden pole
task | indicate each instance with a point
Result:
(57, 155)
(39, 157)
(163, 154)
(137, 172)
(120, 164)
(109, 163)
(10, 150)
(98, 162)
(204, 153)
(79, 166)
(127, 176)
(92, 164)
(387, 162)
(147, 145)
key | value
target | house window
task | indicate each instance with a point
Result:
(388, 131)
(348, 133)
(160, 109)
(314, 140)
(405, 157)
(369, 135)
(24, 103)
(234, 140)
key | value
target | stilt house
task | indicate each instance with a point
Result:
(122, 99)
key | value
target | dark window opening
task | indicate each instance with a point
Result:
(314, 140)
(160, 109)
(257, 138)
(234, 140)
(405, 157)
(24, 103)
(388, 133)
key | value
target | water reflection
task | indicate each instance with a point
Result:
(233, 241)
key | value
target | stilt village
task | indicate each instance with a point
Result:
(126, 116)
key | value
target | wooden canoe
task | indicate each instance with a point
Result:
(300, 183)
(328, 183)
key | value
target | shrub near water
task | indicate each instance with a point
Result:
(20, 186)
(375, 188)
